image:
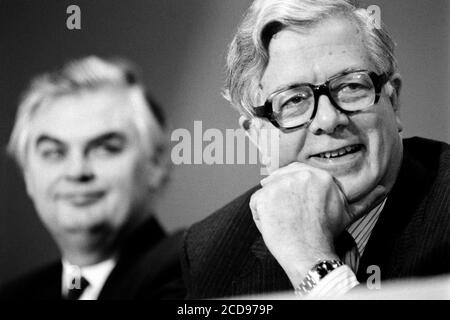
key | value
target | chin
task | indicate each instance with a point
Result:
(356, 188)
(79, 221)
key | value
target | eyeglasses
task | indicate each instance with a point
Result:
(295, 106)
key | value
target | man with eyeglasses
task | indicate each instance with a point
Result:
(347, 194)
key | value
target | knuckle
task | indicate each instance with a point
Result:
(290, 182)
(304, 175)
(258, 198)
(270, 193)
(326, 177)
(253, 200)
(254, 196)
(294, 165)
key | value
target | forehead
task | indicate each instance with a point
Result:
(314, 55)
(84, 115)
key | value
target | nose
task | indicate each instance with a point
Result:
(328, 119)
(79, 168)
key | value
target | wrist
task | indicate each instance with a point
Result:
(297, 269)
(319, 271)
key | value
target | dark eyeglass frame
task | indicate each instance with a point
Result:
(266, 110)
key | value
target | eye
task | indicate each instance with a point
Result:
(52, 154)
(353, 87)
(295, 105)
(109, 148)
(297, 99)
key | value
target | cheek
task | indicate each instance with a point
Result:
(42, 181)
(291, 147)
(120, 177)
(385, 129)
(126, 177)
(41, 189)
(381, 134)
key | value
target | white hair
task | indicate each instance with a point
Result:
(248, 54)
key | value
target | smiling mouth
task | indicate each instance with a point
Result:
(83, 199)
(339, 152)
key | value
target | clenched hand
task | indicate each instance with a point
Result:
(300, 211)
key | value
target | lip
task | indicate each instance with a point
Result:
(83, 198)
(340, 164)
(335, 148)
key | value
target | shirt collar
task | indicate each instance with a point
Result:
(95, 274)
(362, 228)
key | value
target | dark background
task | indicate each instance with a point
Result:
(180, 46)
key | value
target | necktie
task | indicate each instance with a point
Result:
(347, 250)
(76, 288)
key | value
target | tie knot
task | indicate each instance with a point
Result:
(76, 287)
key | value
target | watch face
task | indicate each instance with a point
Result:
(322, 271)
(325, 267)
(319, 271)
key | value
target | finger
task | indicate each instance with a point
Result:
(253, 205)
(289, 169)
(348, 210)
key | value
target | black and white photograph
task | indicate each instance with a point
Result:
(245, 151)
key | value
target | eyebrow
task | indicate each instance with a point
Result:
(295, 83)
(47, 139)
(107, 136)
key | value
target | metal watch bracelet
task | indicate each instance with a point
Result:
(317, 272)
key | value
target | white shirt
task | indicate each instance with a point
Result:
(95, 274)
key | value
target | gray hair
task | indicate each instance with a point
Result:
(92, 73)
(248, 52)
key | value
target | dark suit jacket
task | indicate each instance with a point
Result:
(224, 255)
(147, 268)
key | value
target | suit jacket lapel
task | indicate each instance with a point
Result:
(49, 285)
(55, 286)
(145, 237)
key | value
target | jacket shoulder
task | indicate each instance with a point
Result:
(36, 284)
(217, 248)
(230, 221)
(147, 273)
(164, 281)
(433, 217)
(433, 155)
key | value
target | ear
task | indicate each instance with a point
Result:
(251, 124)
(394, 85)
(253, 128)
(28, 182)
(393, 90)
(156, 170)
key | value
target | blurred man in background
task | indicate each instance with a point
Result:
(93, 150)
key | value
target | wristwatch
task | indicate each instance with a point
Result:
(318, 272)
